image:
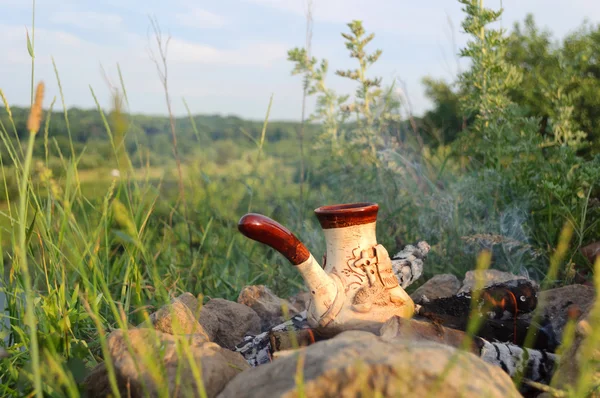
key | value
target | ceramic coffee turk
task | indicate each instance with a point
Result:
(357, 284)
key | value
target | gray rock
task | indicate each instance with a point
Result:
(224, 322)
(234, 321)
(192, 302)
(562, 303)
(160, 364)
(208, 320)
(583, 355)
(97, 383)
(176, 318)
(210, 323)
(490, 277)
(443, 285)
(266, 304)
(591, 251)
(300, 301)
(357, 363)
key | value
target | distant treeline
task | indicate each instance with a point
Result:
(86, 125)
(86, 128)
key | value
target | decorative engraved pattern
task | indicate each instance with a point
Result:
(384, 267)
(375, 263)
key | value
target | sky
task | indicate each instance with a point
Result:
(230, 56)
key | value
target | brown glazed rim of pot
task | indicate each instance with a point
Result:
(347, 214)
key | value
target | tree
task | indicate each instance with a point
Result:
(327, 111)
(560, 83)
(445, 120)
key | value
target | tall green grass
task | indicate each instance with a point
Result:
(90, 265)
(79, 266)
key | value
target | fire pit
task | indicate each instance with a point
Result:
(361, 288)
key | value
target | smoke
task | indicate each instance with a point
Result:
(460, 215)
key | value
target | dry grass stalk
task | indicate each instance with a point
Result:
(35, 116)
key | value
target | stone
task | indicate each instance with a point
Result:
(208, 320)
(156, 367)
(191, 301)
(561, 303)
(177, 318)
(3, 353)
(443, 285)
(300, 301)
(357, 363)
(234, 321)
(97, 383)
(210, 323)
(490, 276)
(591, 251)
(266, 304)
(414, 330)
(583, 351)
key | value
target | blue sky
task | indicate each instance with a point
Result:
(229, 56)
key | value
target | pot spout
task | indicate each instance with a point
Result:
(323, 288)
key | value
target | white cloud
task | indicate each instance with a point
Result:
(58, 43)
(200, 18)
(425, 19)
(87, 20)
(251, 54)
(15, 3)
(207, 75)
(378, 15)
(14, 43)
(293, 6)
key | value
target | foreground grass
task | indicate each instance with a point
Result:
(90, 252)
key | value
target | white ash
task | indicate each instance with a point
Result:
(537, 365)
(407, 264)
(257, 349)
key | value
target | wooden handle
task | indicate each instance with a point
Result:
(265, 230)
